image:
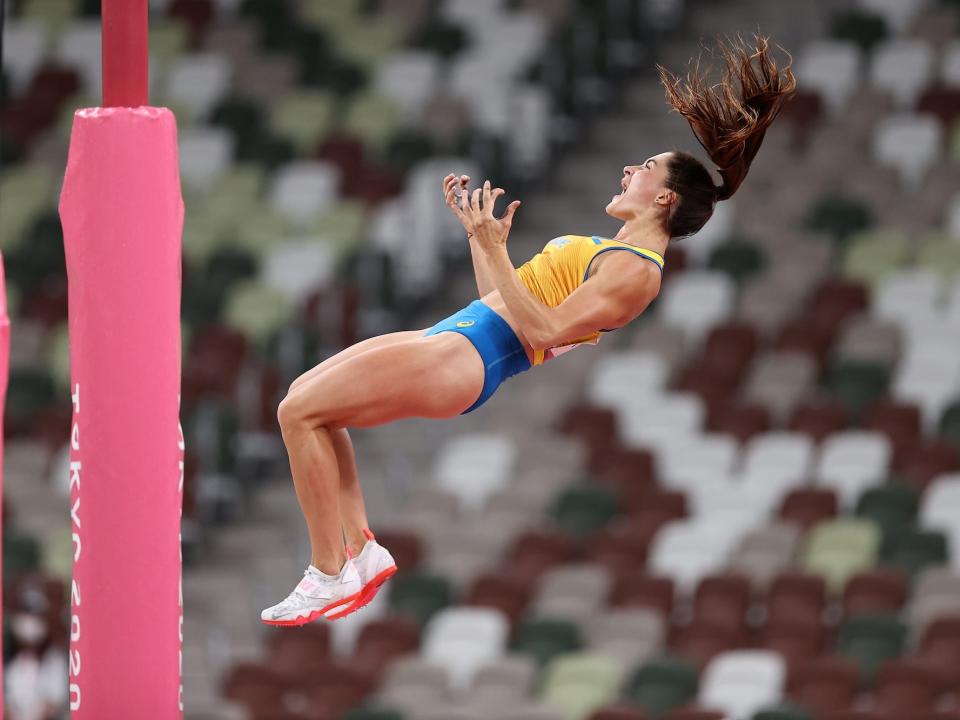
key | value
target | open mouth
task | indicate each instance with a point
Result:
(623, 189)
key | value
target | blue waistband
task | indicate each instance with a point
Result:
(502, 352)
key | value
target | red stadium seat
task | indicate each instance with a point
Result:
(509, 594)
(256, 686)
(801, 336)
(898, 421)
(339, 688)
(406, 547)
(802, 111)
(880, 591)
(627, 468)
(299, 656)
(729, 349)
(940, 647)
(722, 600)
(595, 426)
(826, 684)
(923, 461)
(797, 595)
(694, 714)
(839, 298)
(701, 641)
(798, 639)
(940, 101)
(641, 590)
(818, 419)
(534, 551)
(907, 685)
(703, 380)
(620, 712)
(740, 421)
(808, 506)
(383, 640)
(622, 547)
(659, 507)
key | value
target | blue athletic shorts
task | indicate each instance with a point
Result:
(503, 354)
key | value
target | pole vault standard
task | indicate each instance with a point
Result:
(4, 377)
(122, 216)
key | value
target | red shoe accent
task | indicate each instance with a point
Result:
(315, 613)
(367, 593)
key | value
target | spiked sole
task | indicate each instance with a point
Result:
(367, 593)
(301, 620)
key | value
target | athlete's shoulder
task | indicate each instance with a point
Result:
(562, 240)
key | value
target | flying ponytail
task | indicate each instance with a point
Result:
(730, 122)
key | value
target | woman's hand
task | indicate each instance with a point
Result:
(491, 232)
(454, 188)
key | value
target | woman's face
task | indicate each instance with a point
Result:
(642, 186)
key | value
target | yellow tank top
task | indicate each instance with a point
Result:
(560, 268)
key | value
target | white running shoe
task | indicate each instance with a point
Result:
(316, 595)
(375, 565)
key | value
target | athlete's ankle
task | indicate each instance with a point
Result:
(356, 540)
(328, 566)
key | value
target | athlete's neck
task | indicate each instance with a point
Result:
(645, 233)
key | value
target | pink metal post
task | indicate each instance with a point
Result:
(4, 368)
(124, 53)
(122, 215)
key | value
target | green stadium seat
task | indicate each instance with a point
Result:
(55, 14)
(890, 506)
(303, 117)
(859, 26)
(871, 640)
(25, 193)
(373, 118)
(912, 550)
(443, 38)
(950, 423)
(29, 390)
(579, 683)
(739, 259)
(330, 16)
(408, 148)
(256, 310)
(838, 549)
(219, 456)
(545, 638)
(342, 225)
(663, 684)
(839, 216)
(58, 355)
(368, 40)
(21, 554)
(583, 509)
(784, 712)
(873, 255)
(941, 255)
(168, 40)
(419, 595)
(244, 116)
(857, 384)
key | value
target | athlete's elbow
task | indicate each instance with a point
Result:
(541, 338)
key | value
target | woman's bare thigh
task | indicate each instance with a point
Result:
(356, 349)
(433, 377)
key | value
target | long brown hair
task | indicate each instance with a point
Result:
(729, 123)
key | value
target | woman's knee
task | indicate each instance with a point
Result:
(291, 412)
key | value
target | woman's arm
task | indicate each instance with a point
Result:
(454, 188)
(607, 300)
(484, 283)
